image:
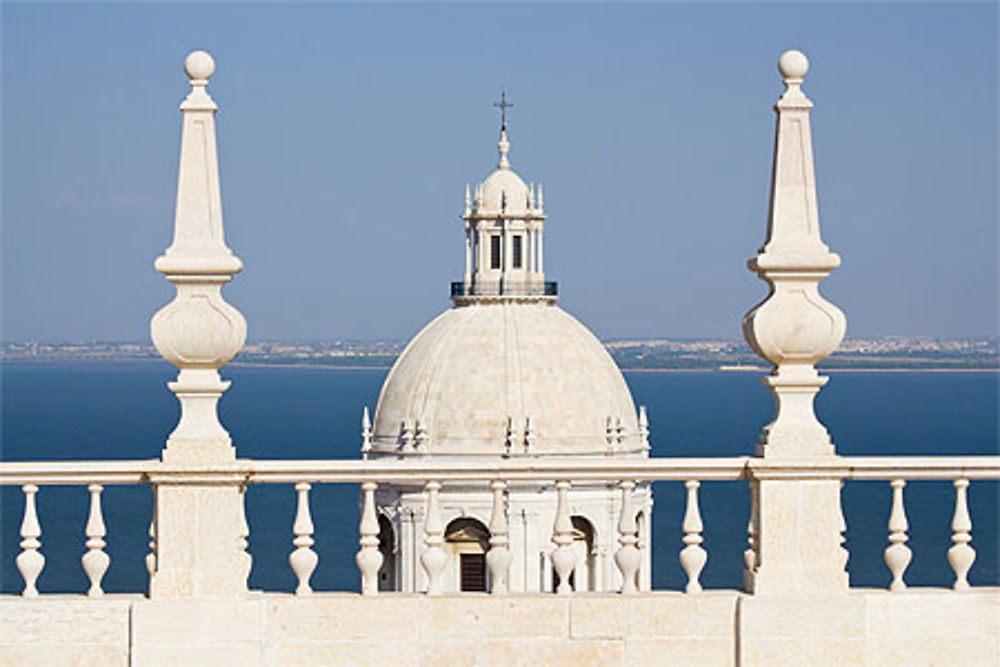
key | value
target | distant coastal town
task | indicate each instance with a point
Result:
(886, 353)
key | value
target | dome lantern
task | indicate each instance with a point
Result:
(503, 234)
(505, 374)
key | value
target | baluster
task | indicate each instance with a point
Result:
(845, 555)
(643, 429)
(366, 434)
(628, 557)
(499, 557)
(95, 561)
(303, 560)
(405, 437)
(420, 437)
(434, 557)
(563, 556)
(244, 535)
(369, 558)
(693, 557)
(529, 436)
(750, 555)
(30, 561)
(645, 544)
(961, 555)
(151, 556)
(897, 554)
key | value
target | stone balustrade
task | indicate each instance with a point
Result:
(33, 477)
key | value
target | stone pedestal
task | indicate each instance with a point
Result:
(799, 525)
(198, 541)
(199, 437)
(795, 431)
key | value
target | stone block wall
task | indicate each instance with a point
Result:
(862, 627)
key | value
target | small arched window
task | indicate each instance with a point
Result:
(469, 540)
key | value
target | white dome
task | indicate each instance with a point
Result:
(479, 367)
(504, 185)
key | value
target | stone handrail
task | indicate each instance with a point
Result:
(256, 471)
(77, 472)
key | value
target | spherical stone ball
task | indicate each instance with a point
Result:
(199, 65)
(793, 64)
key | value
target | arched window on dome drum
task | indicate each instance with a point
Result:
(518, 243)
(495, 251)
(467, 542)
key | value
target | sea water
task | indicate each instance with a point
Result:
(106, 410)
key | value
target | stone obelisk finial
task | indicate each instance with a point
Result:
(794, 327)
(198, 331)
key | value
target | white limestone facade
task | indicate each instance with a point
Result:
(506, 374)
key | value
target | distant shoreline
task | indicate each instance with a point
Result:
(910, 370)
(330, 367)
(752, 371)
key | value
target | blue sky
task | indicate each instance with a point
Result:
(347, 134)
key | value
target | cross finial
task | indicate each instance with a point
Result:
(503, 105)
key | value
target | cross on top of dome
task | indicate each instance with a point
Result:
(503, 105)
(504, 145)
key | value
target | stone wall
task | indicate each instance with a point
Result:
(918, 627)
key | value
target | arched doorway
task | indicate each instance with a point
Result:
(584, 574)
(467, 541)
(387, 547)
